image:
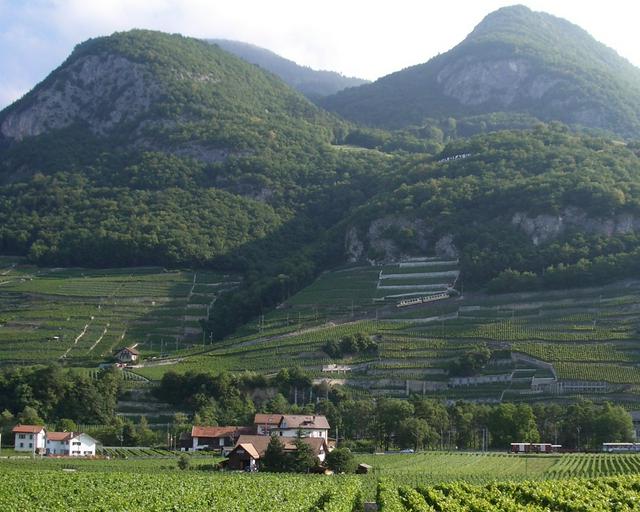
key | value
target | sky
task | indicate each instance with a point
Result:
(364, 38)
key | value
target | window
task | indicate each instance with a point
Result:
(21, 445)
(30, 445)
(21, 436)
(30, 436)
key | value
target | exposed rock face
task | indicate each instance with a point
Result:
(502, 82)
(395, 238)
(380, 236)
(544, 228)
(354, 248)
(474, 83)
(101, 90)
(445, 248)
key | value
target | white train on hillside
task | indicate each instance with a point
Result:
(422, 300)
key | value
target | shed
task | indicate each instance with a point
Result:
(363, 469)
(127, 355)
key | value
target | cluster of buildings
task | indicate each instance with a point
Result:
(38, 440)
(245, 447)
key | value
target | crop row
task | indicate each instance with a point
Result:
(169, 491)
(612, 493)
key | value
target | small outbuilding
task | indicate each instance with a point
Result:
(363, 469)
(127, 355)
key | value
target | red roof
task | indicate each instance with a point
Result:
(59, 436)
(260, 443)
(267, 419)
(217, 432)
(27, 429)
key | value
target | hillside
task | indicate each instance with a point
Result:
(150, 148)
(515, 62)
(528, 200)
(530, 346)
(314, 84)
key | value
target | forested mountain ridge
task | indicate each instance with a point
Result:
(153, 89)
(515, 62)
(150, 148)
(524, 201)
(314, 84)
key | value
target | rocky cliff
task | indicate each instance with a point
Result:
(100, 91)
(515, 62)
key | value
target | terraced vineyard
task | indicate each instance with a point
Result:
(83, 315)
(582, 341)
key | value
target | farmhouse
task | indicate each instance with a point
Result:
(249, 451)
(29, 438)
(294, 425)
(127, 355)
(291, 425)
(216, 438)
(72, 444)
(266, 423)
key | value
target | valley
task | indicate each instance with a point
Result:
(216, 262)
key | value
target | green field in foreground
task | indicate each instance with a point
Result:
(156, 483)
(425, 468)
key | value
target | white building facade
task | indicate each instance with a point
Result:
(293, 425)
(70, 444)
(29, 438)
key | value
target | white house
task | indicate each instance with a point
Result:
(292, 425)
(29, 438)
(70, 444)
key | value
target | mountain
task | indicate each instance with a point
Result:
(150, 148)
(314, 84)
(514, 62)
(153, 90)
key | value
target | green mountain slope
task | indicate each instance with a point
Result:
(563, 207)
(516, 62)
(312, 83)
(149, 148)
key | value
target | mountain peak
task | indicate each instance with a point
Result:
(516, 61)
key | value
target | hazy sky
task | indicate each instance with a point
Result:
(365, 38)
